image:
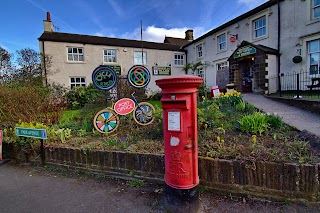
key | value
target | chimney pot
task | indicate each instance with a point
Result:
(48, 16)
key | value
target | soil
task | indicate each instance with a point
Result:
(37, 189)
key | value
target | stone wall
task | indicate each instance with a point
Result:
(279, 181)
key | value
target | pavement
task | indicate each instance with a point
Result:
(25, 189)
(295, 117)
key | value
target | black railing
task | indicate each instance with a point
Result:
(296, 85)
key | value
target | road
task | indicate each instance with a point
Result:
(25, 189)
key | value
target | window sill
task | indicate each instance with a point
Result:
(312, 21)
(221, 51)
(75, 62)
(260, 38)
(110, 63)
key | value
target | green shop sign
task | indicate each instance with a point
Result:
(243, 51)
(31, 133)
(116, 68)
(161, 70)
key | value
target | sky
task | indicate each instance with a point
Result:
(22, 20)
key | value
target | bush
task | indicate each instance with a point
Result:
(29, 103)
(79, 96)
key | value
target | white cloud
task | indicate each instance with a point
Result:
(155, 34)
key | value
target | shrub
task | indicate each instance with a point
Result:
(79, 96)
(29, 103)
(274, 121)
(254, 123)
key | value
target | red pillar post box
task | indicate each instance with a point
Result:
(179, 104)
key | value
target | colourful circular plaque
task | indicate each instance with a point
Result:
(139, 76)
(104, 77)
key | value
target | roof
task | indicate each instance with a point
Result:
(265, 49)
(176, 41)
(97, 40)
(237, 19)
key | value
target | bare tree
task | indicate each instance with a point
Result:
(28, 66)
(5, 65)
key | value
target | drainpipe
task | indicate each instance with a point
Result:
(44, 65)
(278, 61)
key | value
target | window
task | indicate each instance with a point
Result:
(199, 51)
(315, 9)
(260, 27)
(222, 42)
(77, 82)
(200, 72)
(222, 65)
(109, 56)
(75, 54)
(179, 59)
(138, 58)
(314, 56)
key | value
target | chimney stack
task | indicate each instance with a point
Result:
(48, 26)
(189, 35)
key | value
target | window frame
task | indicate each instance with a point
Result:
(224, 42)
(142, 58)
(200, 71)
(309, 53)
(197, 51)
(73, 55)
(224, 64)
(115, 56)
(77, 84)
(313, 7)
(181, 60)
(254, 29)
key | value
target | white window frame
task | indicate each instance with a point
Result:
(75, 55)
(179, 60)
(317, 52)
(222, 65)
(200, 72)
(199, 50)
(79, 83)
(219, 42)
(138, 60)
(107, 54)
(254, 29)
(313, 8)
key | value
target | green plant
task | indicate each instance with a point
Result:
(241, 106)
(274, 121)
(254, 123)
(136, 183)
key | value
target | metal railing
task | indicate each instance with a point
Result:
(296, 85)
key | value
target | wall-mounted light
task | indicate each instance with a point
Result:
(125, 50)
(155, 63)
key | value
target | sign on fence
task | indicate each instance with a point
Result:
(31, 133)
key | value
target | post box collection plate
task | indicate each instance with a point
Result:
(174, 121)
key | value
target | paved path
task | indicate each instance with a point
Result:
(37, 190)
(295, 117)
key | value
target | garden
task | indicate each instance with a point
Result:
(228, 127)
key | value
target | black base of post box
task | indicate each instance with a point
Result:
(181, 200)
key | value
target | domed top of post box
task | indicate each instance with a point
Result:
(179, 82)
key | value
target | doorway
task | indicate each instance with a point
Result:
(246, 66)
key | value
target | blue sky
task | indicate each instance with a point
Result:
(22, 20)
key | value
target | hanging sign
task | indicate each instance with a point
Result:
(233, 39)
(124, 106)
(104, 77)
(0, 145)
(161, 70)
(138, 76)
(243, 51)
